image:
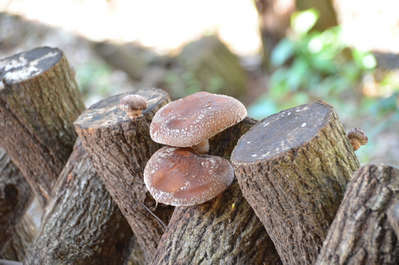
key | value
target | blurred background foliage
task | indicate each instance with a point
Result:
(302, 52)
(311, 65)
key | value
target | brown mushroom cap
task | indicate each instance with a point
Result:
(181, 177)
(134, 102)
(190, 120)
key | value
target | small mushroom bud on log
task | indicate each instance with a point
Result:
(357, 138)
(133, 105)
(192, 120)
(181, 177)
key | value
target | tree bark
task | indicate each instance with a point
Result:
(20, 240)
(292, 168)
(119, 148)
(15, 198)
(39, 100)
(82, 226)
(222, 231)
(365, 228)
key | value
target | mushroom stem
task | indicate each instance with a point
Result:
(202, 147)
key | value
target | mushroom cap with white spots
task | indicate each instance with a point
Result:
(190, 120)
(181, 177)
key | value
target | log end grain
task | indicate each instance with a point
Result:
(278, 133)
(28, 64)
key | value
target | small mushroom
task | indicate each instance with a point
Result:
(133, 105)
(181, 177)
(192, 120)
(357, 138)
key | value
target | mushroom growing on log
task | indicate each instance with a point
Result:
(292, 168)
(224, 230)
(119, 148)
(39, 100)
(82, 225)
(365, 229)
(181, 177)
(192, 120)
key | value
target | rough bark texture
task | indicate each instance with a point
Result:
(365, 228)
(22, 237)
(39, 100)
(119, 148)
(292, 168)
(15, 197)
(82, 224)
(222, 231)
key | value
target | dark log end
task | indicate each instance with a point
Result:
(110, 112)
(28, 64)
(282, 132)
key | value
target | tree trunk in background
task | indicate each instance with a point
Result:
(15, 198)
(327, 14)
(222, 231)
(119, 148)
(274, 21)
(39, 100)
(275, 15)
(82, 225)
(293, 168)
(366, 228)
(20, 241)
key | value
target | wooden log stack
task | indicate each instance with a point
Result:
(299, 197)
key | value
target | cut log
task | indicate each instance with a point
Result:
(119, 148)
(20, 240)
(222, 231)
(292, 168)
(39, 100)
(365, 228)
(82, 226)
(15, 198)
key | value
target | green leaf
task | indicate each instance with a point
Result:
(262, 108)
(282, 52)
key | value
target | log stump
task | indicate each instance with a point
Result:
(20, 240)
(119, 148)
(365, 230)
(15, 198)
(82, 225)
(222, 231)
(39, 100)
(292, 168)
